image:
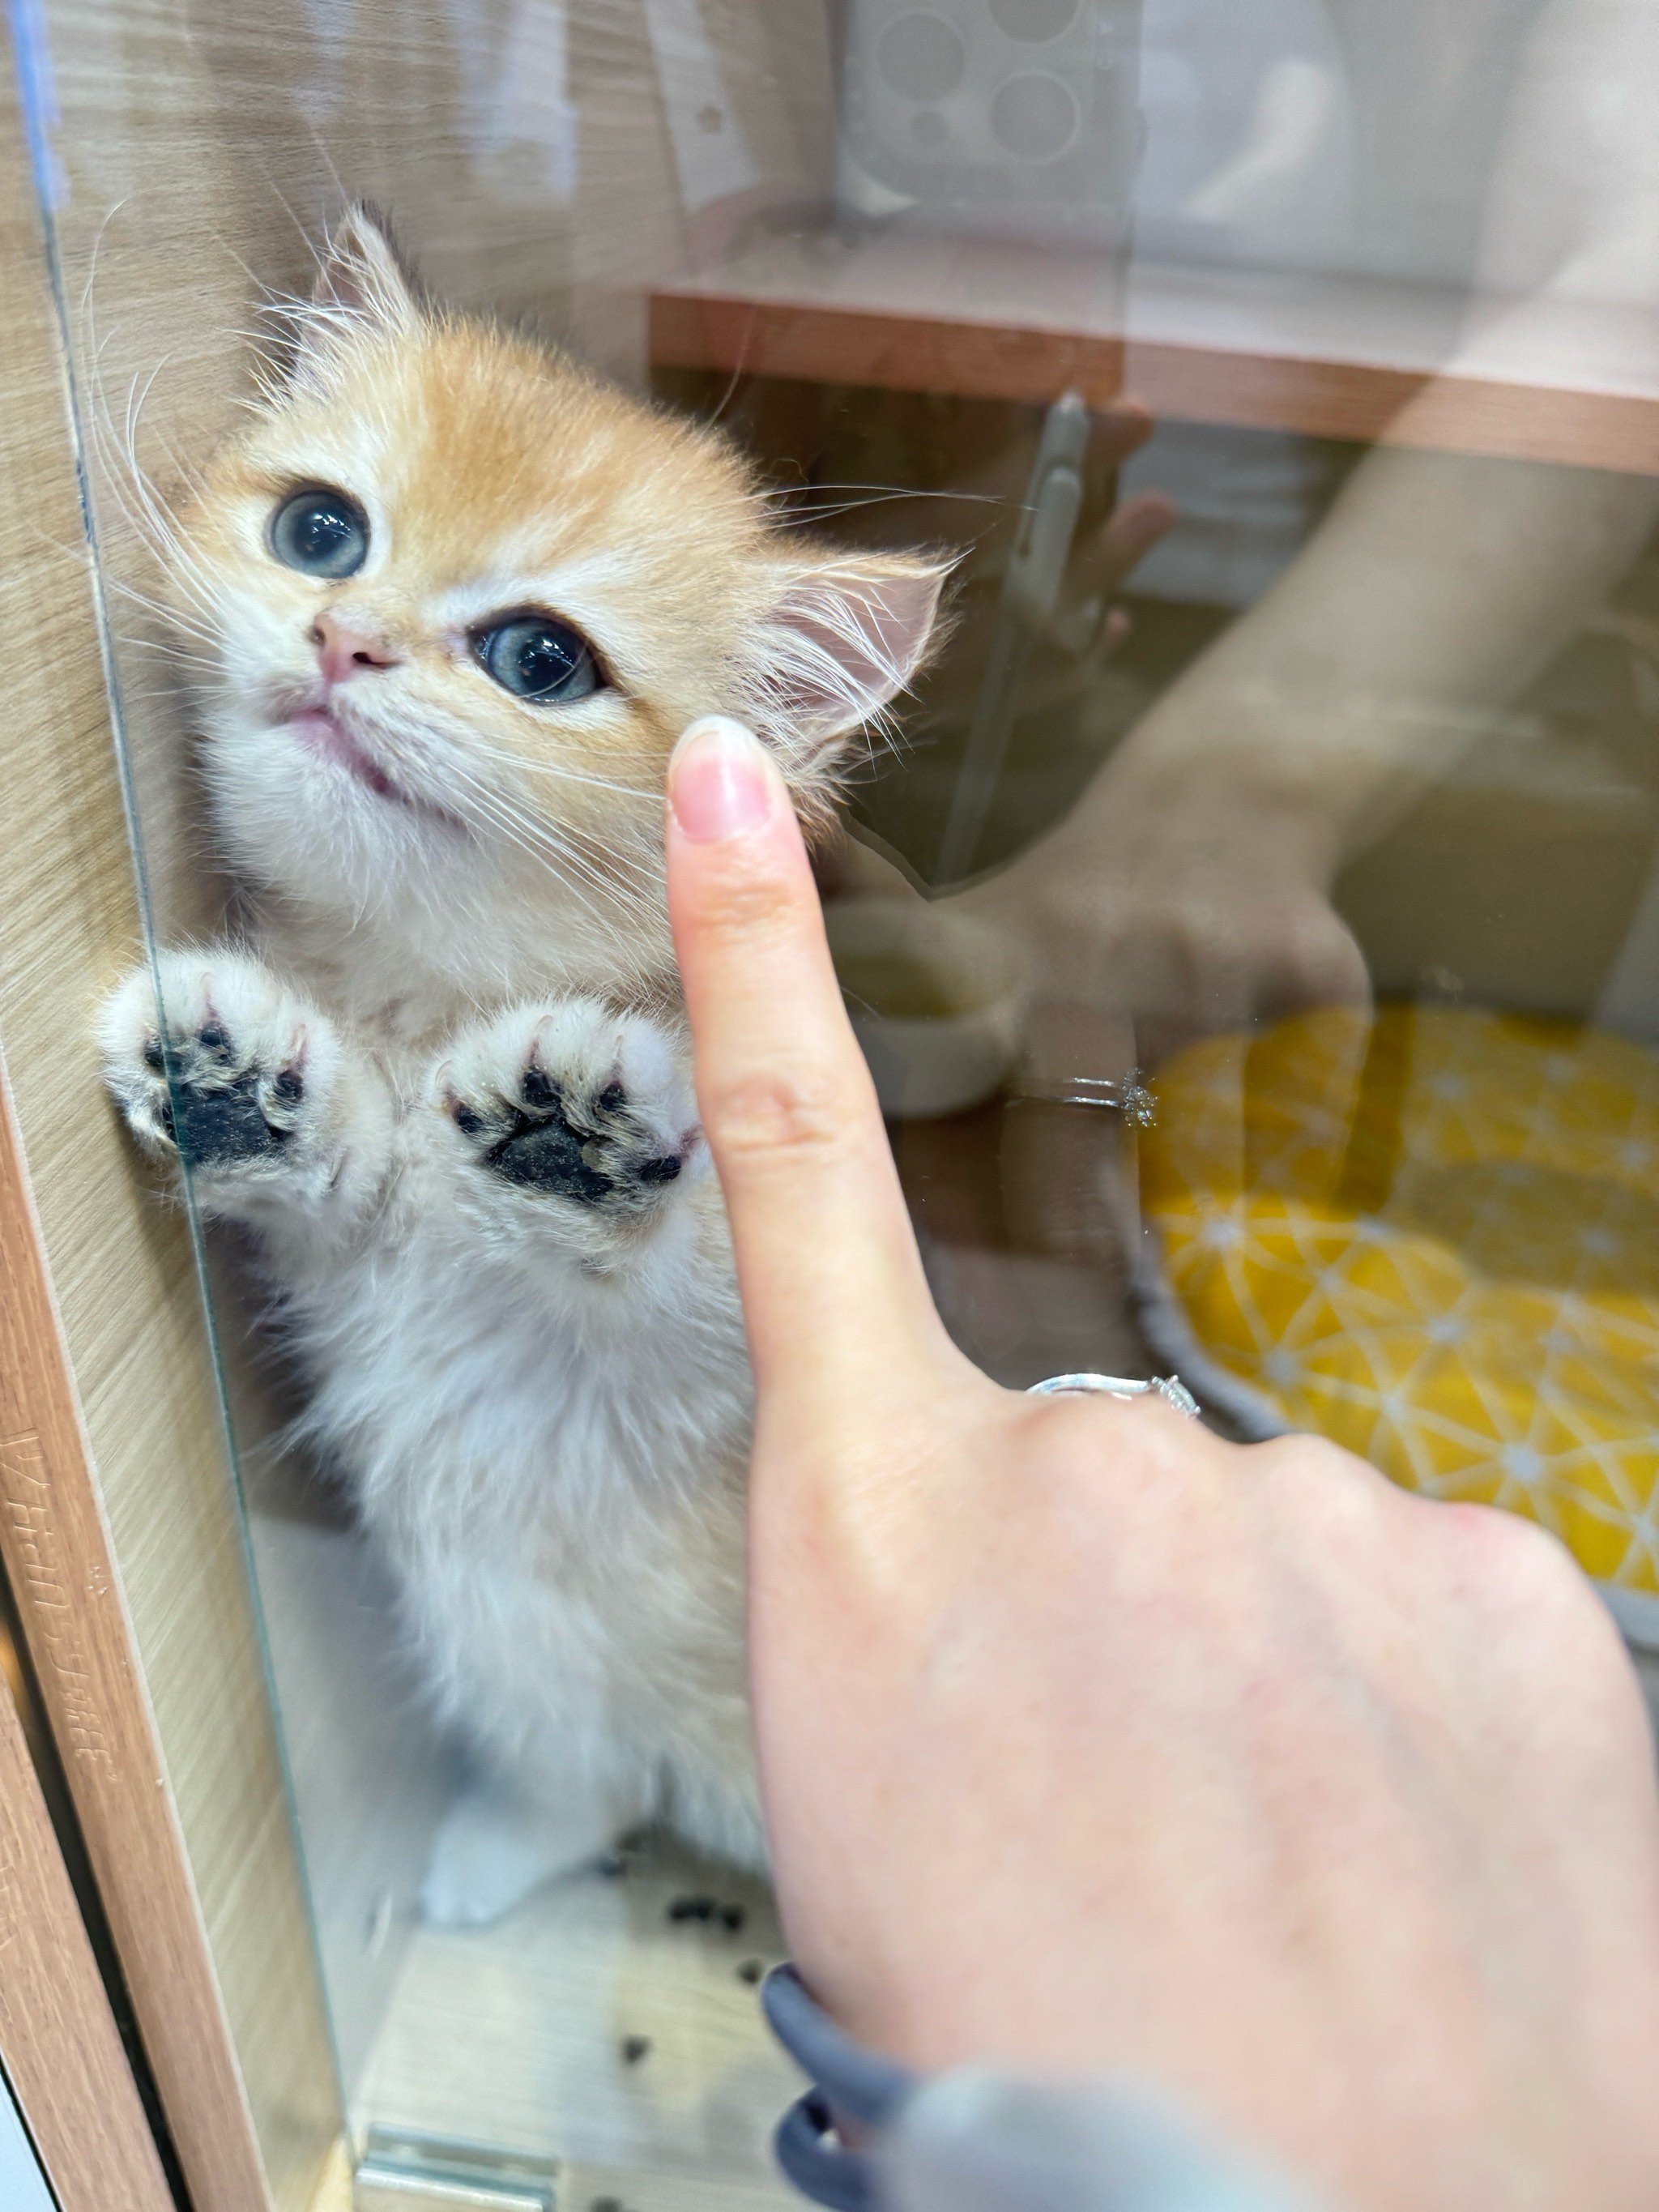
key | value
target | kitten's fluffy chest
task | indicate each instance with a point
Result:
(438, 1362)
(404, 993)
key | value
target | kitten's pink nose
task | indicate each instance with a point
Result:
(341, 650)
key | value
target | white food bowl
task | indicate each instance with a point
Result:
(935, 999)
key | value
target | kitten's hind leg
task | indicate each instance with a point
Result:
(278, 1116)
(573, 1114)
(495, 1848)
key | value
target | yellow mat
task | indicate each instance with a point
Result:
(1433, 1236)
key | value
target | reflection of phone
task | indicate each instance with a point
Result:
(1030, 593)
(1014, 118)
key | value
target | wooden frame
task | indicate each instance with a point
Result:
(58, 2038)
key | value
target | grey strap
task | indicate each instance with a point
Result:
(978, 2141)
(850, 2083)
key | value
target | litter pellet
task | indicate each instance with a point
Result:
(607, 2204)
(692, 1908)
(752, 1971)
(635, 2047)
(732, 1916)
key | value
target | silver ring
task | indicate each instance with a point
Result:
(1169, 1387)
(1127, 1095)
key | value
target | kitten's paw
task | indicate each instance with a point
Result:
(493, 1852)
(250, 1066)
(574, 1101)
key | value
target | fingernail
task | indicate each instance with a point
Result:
(717, 785)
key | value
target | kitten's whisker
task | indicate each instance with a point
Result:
(185, 568)
(75, 547)
(876, 491)
(544, 843)
(171, 616)
(572, 851)
(93, 256)
(139, 640)
(727, 397)
(152, 524)
(208, 657)
(546, 848)
(228, 249)
(813, 507)
(338, 182)
(116, 452)
(565, 773)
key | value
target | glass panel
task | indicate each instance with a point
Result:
(1247, 898)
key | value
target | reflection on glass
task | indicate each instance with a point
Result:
(1275, 388)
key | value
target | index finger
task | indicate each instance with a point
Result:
(834, 1296)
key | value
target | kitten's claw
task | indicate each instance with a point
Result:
(574, 1101)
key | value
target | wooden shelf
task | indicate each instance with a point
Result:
(1336, 357)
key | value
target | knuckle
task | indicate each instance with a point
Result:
(1536, 1604)
(1316, 1488)
(1509, 1560)
(1508, 1568)
(1086, 1439)
(778, 1114)
(742, 901)
(1337, 969)
(1317, 1464)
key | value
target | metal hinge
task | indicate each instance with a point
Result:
(404, 2172)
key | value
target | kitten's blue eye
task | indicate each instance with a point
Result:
(536, 657)
(321, 533)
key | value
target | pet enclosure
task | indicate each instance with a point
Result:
(1251, 915)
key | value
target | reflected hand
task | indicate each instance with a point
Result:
(1188, 915)
(1089, 1742)
(1100, 563)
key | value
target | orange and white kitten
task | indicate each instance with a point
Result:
(454, 600)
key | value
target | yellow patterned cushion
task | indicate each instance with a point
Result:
(1434, 1237)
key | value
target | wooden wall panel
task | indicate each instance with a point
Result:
(119, 1521)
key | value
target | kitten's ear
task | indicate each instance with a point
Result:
(362, 288)
(846, 635)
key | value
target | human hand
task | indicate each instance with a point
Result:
(1185, 912)
(1089, 1741)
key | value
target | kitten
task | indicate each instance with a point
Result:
(455, 600)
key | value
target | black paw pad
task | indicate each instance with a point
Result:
(218, 1113)
(547, 1155)
(218, 1127)
(569, 1142)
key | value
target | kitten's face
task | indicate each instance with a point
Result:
(458, 601)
